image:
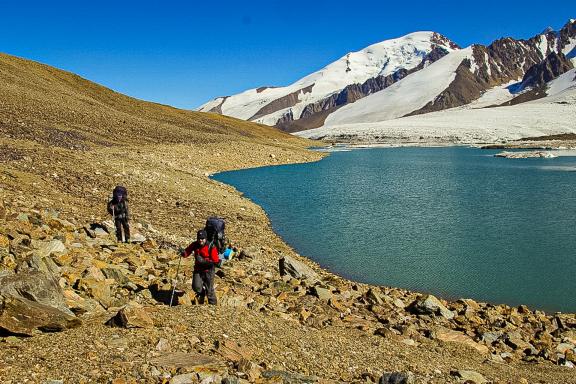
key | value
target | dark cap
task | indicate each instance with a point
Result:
(201, 234)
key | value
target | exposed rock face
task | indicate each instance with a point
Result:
(461, 91)
(537, 60)
(281, 103)
(218, 108)
(553, 66)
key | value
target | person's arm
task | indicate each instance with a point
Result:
(126, 209)
(110, 207)
(188, 251)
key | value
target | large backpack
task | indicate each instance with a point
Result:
(119, 194)
(215, 230)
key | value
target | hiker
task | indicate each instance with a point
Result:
(118, 208)
(205, 260)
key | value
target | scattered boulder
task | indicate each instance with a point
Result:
(190, 361)
(397, 378)
(230, 350)
(296, 269)
(322, 293)
(249, 253)
(430, 305)
(186, 378)
(471, 377)
(131, 315)
(54, 246)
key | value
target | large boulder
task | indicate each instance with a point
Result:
(33, 300)
(21, 316)
(35, 286)
(430, 305)
(294, 268)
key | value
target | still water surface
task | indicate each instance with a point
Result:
(455, 222)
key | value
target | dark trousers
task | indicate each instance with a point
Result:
(203, 285)
(122, 223)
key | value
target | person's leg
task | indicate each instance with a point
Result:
(118, 224)
(198, 286)
(126, 230)
(209, 285)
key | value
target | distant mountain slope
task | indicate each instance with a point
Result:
(545, 116)
(412, 93)
(516, 70)
(50, 106)
(352, 77)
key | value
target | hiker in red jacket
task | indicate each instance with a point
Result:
(205, 260)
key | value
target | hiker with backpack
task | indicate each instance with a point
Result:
(118, 208)
(205, 260)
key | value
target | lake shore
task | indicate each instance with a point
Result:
(172, 195)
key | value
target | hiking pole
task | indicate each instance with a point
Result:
(176, 277)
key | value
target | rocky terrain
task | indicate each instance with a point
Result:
(76, 306)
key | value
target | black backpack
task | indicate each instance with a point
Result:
(215, 230)
(119, 194)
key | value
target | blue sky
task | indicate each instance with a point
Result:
(184, 53)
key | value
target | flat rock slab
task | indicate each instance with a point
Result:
(448, 335)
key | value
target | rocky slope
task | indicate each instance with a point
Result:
(63, 277)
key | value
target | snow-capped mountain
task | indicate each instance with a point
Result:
(416, 74)
(350, 78)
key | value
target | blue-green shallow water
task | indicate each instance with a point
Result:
(453, 221)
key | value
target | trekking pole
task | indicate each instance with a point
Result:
(176, 277)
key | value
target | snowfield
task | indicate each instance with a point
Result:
(409, 94)
(551, 115)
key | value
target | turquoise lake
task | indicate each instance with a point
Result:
(454, 221)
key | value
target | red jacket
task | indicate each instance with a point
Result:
(204, 257)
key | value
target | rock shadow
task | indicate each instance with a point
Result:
(163, 296)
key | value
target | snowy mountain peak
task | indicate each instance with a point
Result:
(378, 64)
